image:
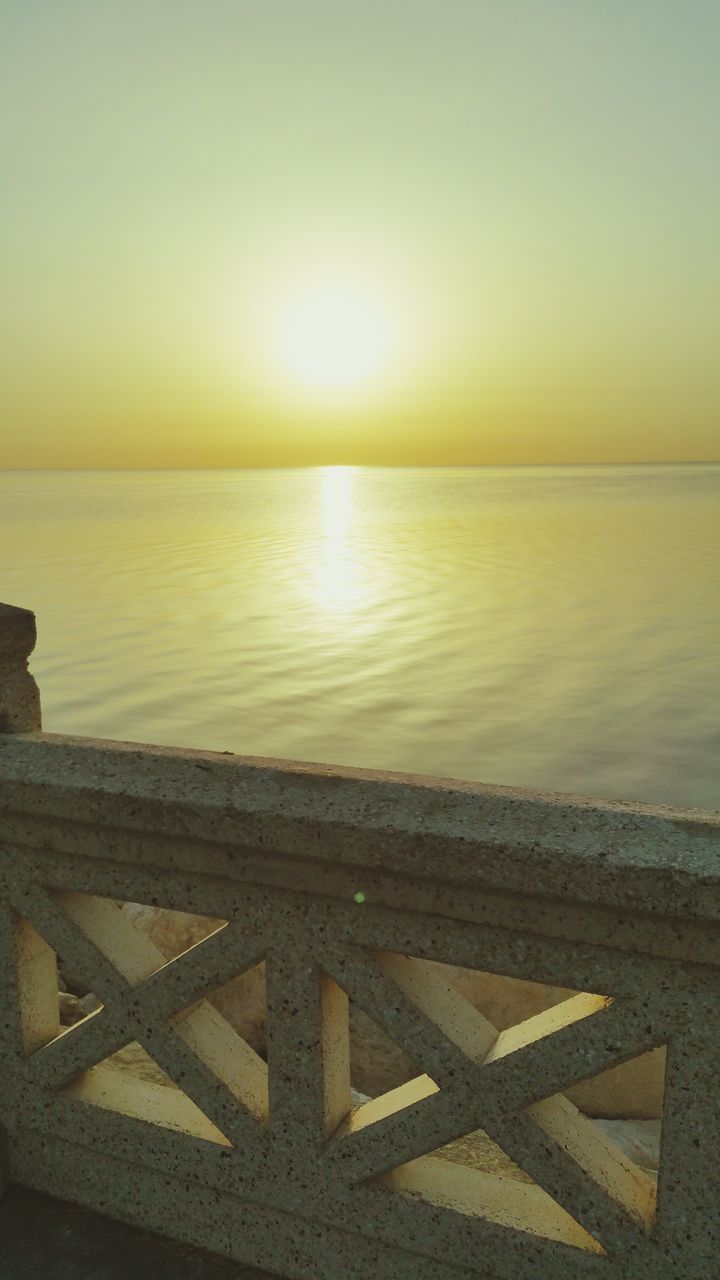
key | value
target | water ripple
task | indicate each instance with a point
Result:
(547, 627)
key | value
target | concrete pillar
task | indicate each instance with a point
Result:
(19, 694)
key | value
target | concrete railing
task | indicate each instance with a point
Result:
(360, 886)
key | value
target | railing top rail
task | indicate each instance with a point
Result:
(662, 860)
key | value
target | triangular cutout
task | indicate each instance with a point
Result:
(497, 1200)
(621, 1153)
(136, 939)
(632, 1091)
(383, 1079)
(477, 1150)
(503, 1000)
(172, 932)
(131, 1083)
(51, 1002)
(378, 1065)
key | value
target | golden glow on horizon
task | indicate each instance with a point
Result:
(331, 239)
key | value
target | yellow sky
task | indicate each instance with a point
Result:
(513, 208)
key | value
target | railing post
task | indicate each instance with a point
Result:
(19, 713)
(19, 694)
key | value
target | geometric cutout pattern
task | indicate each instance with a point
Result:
(481, 1143)
(503, 1182)
(134, 1085)
(161, 1004)
(507, 1188)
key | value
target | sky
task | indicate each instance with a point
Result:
(396, 232)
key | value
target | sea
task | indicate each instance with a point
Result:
(555, 628)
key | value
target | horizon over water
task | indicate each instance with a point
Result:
(553, 627)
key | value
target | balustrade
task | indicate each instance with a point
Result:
(371, 892)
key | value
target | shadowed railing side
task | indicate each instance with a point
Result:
(19, 713)
(19, 697)
(358, 887)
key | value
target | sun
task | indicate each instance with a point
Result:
(334, 338)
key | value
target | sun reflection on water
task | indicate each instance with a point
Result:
(339, 583)
(337, 500)
(488, 623)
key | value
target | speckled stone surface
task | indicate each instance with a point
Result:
(357, 886)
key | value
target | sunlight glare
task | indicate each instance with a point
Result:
(337, 494)
(333, 338)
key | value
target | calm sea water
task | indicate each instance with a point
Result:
(544, 627)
